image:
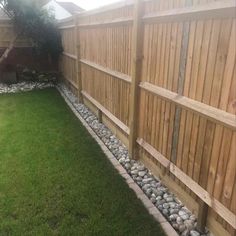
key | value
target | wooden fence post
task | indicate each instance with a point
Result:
(137, 56)
(202, 216)
(99, 116)
(203, 207)
(78, 63)
(181, 79)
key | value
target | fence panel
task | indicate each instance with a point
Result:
(176, 61)
(69, 57)
(7, 33)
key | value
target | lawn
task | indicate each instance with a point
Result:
(55, 180)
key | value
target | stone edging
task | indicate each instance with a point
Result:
(169, 230)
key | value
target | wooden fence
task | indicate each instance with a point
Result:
(7, 34)
(162, 75)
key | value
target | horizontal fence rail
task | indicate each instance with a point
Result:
(115, 74)
(216, 115)
(212, 10)
(162, 75)
(118, 22)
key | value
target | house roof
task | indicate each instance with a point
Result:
(70, 7)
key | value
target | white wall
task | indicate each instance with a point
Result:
(59, 12)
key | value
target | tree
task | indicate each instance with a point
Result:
(37, 24)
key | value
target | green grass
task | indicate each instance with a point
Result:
(55, 180)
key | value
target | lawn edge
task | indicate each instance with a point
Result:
(166, 226)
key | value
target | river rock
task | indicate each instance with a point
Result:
(194, 233)
(134, 172)
(179, 220)
(141, 173)
(173, 217)
(141, 168)
(183, 215)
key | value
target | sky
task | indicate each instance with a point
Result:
(90, 4)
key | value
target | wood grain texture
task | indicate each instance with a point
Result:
(183, 90)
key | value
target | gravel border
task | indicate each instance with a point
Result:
(24, 87)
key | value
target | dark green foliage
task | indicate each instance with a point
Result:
(36, 24)
(54, 178)
(27, 74)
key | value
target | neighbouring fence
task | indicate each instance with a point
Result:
(23, 54)
(162, 75)
(7, 34)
